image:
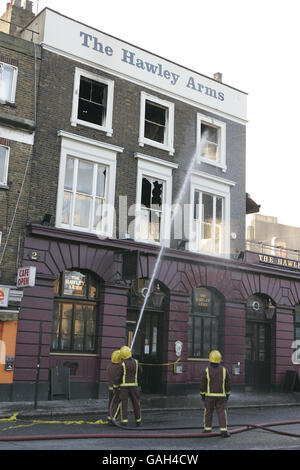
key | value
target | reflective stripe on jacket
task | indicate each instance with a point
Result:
(130, 373)
(215, 382)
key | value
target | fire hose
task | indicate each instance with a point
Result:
(157, 434)
(139, 435)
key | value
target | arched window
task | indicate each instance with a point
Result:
(75, 312)
(204, 322)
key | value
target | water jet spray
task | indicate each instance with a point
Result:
(162, 248)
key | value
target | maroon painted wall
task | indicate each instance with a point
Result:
(180, 272)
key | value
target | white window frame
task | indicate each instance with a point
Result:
(168, 144)
(82, 148)
(221, 151)
(12, 97)
(107, 127)
(6, 165)
(161, 170)
(214, 186)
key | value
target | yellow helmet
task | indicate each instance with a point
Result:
(125, 352)
(215, 356)
(116, 357)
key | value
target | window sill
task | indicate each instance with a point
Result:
(100, 235)
(107, 130)
(214, 255)
(152, 143)
(213, 163)
(4, 186)
(11, 104)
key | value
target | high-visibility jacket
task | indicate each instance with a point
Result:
(215, 382)
(131, 371)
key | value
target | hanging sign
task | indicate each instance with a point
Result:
(26, 277)
(4, 294)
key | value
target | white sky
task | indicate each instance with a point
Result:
(253, 43)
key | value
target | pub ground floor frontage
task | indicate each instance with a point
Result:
(86, 303)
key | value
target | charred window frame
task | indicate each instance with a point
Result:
(4, 161)
(75, 316)
(153, 195)
(156, 123)
(152, 209)
(92, 101)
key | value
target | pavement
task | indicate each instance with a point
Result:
(149, 403)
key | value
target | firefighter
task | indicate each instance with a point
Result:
(114, 375)
(215, 386)
(129, 387)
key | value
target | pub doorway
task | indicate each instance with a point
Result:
(258, 360)
(148, 347)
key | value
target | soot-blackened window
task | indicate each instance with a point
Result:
(92, 101)
(155, 122)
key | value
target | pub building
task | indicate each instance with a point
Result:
(121, 134)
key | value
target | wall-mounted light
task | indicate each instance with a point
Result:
(270, 310)
(157, 297)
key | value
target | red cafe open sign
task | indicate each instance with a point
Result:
(26, 277)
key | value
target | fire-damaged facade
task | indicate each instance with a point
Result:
(137, 159)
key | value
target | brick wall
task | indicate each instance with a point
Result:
(54, 113)
(17, 123)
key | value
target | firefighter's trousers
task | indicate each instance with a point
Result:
(114, 404)
(133, 393)
(220, 404)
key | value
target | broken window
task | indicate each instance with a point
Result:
(92, 101)
(155, 122)
(151, 200)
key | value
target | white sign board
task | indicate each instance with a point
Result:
(75, 40)
(4, 295)
(26, 276)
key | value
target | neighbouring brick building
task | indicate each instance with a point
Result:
(121, 136)
(19, 69)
